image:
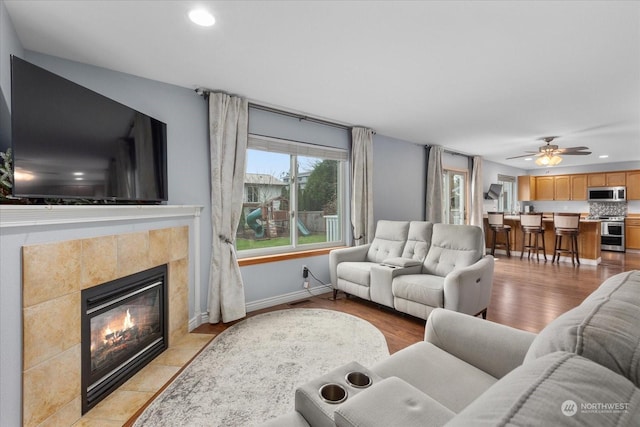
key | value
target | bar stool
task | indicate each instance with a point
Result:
(566, 224)
(497, 225)
(532, 228)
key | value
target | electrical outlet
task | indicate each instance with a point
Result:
(305, 284)
(305, 272)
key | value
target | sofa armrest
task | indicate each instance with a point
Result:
(494, 348)
(468, 290)
(353, 254)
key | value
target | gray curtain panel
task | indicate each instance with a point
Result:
(434, 205)
(228, 128)
(477, 199)
(362, 185)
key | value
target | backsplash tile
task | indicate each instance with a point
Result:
(607, 209)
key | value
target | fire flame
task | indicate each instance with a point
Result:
(112, 331)
(128, 321)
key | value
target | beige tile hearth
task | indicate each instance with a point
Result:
(151, 378)
(143, 386)
(119, 405)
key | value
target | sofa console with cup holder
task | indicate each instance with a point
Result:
(583, 369)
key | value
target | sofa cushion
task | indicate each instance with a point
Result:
(557, 389)
(453, 247)
(392, 402)
(422, 288)
(389, 240)
(355, 272)
(604, 328)
(418, 240)
(452, 382)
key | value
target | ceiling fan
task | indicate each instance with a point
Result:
(549, 155)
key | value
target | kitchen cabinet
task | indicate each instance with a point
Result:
(545, 188)
(574, 186)
(579, 187)
(632, 233)
(616, 179)
(561, 187)
(526, 188)
(596, 180)
(607, 179)
(633, 185)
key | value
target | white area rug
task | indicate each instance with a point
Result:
(249, 373)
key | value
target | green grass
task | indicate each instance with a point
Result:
(243, 244)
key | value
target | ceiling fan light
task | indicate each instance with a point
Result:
(548, 160)
(554, 160)
(542, 160)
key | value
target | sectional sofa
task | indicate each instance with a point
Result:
(583, 369)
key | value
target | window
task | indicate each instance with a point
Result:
(252, 193)
(506, 201)
(293, 198)
(455, 196)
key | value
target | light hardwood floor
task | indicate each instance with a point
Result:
(526, 294)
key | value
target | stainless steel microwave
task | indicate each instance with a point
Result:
(607, 194)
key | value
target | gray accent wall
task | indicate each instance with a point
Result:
(399, 182)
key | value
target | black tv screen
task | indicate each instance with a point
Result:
(70, 142)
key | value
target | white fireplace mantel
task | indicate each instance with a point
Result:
(12, 217)
(38, 215)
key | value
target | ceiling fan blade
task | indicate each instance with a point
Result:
(533, 154)
(564, 150)
(577, 153)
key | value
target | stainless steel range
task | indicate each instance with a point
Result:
(612, 233)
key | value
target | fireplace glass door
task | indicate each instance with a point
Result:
(124, 327)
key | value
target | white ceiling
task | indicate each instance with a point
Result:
(478, 77)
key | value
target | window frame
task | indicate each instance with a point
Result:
(447, 173)
(296, 149)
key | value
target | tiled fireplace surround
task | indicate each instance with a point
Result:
(53, 276)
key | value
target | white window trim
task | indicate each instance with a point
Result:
(297, 148)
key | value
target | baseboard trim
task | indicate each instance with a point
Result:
(201, 318)
(285, 298)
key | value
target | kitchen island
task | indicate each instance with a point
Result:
(588, 239)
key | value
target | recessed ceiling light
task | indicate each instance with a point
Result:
(528, 159)
(604, 156)
(78, 173)
(202, 17)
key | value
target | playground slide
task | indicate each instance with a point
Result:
(302, 228)
(254, 216)
(252, 222)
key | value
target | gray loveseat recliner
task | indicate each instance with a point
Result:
(416, 266)
(583, 369)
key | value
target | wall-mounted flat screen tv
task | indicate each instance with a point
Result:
(70, 142)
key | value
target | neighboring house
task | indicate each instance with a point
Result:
(259, 187)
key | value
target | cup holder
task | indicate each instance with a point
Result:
(358, 379)
(333, 393)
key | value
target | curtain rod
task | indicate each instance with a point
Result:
(455, 153)
(298, 116)
(205, 93)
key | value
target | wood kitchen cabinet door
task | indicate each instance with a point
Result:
(616, 179)
(526, 188)
(632, 233)
(578, 187)
(562, 187)
(633, 185)
(544, 188)
(596, 180)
